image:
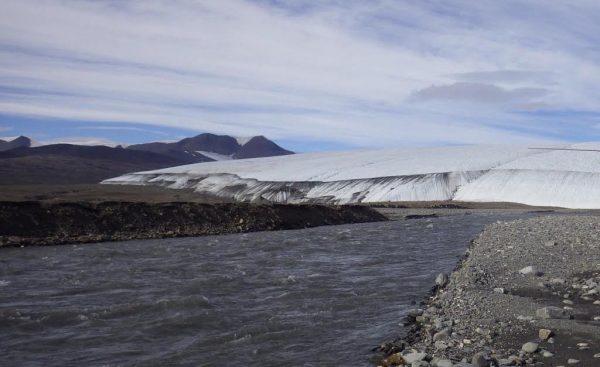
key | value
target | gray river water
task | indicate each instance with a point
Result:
(316, 297)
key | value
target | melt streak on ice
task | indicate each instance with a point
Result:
(492, 173)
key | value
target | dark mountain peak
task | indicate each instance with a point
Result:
(259, 146)
(20, 142)
(221, 144)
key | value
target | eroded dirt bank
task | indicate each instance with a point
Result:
(29, 223)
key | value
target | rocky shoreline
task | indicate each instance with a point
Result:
(38, 223)
(526, 293)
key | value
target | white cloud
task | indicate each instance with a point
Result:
(479, 93)
(81, 140)
(327, 71)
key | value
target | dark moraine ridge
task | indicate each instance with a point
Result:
(29, 223)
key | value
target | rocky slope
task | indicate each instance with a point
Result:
(42, 223)
(527, 293)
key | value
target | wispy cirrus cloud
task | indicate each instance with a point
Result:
(361, 73)
(124, 128)
(479, 93)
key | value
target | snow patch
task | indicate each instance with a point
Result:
(242, 140)
(216, 156)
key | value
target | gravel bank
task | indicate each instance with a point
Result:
(527, 293)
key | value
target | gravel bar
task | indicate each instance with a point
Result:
(526, 293)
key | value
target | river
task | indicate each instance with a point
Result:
(315, 297)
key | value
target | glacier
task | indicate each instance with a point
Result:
(484, 173)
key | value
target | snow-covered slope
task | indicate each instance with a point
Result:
(351, 165)
(564, 178)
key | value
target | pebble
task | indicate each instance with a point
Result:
(544, 334)
(441, 280)
(572, 361)
(552, 312)
(524, 318)
(527, 270)
(547, 354)
(499, 290)
(414, 356)
(530, 347)
(442, 335)
(480, 360)
(394, 359)
(442, 363)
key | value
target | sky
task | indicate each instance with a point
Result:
(311, 75)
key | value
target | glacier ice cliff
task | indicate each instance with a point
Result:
(493, 173)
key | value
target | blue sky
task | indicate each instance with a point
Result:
(312, 75)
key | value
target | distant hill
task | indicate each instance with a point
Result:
(20, 142)
(71, 164)
(22, 163)
(211, 147)
(259, 146)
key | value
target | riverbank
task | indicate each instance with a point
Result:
(37, 223)
(527, 292)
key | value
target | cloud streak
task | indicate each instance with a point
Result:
(357, 74)
(479, 93)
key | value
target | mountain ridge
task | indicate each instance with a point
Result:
(23, 163)
(255, 147)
